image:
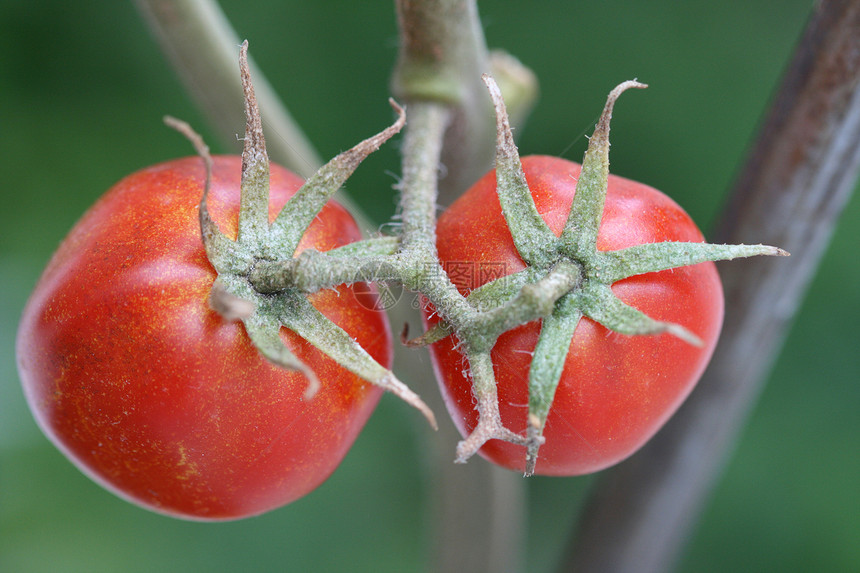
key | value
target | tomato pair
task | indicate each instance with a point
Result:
(157, 398)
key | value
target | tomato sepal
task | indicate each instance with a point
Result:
(546, 369)
(289, 226)
(532, 237)
(589, 296)
(274, 299)
(613, 266)
(296, 313)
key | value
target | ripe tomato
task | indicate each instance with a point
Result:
(616, 391)
(152, 394)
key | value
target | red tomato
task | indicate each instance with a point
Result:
(616, 391)
(150, 392)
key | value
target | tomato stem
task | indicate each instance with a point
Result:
(490, 426)
(442, 55)
(422, 149)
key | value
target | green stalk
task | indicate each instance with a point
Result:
(442, 56)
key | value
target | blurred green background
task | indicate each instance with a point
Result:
(83, 87)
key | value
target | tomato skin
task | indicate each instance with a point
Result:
(149, 392)
(616, 391)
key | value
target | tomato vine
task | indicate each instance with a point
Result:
(566, 277)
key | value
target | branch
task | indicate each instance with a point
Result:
(442, 57)
(796, 182)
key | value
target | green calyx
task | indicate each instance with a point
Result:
(574, 254)
(264, 311)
